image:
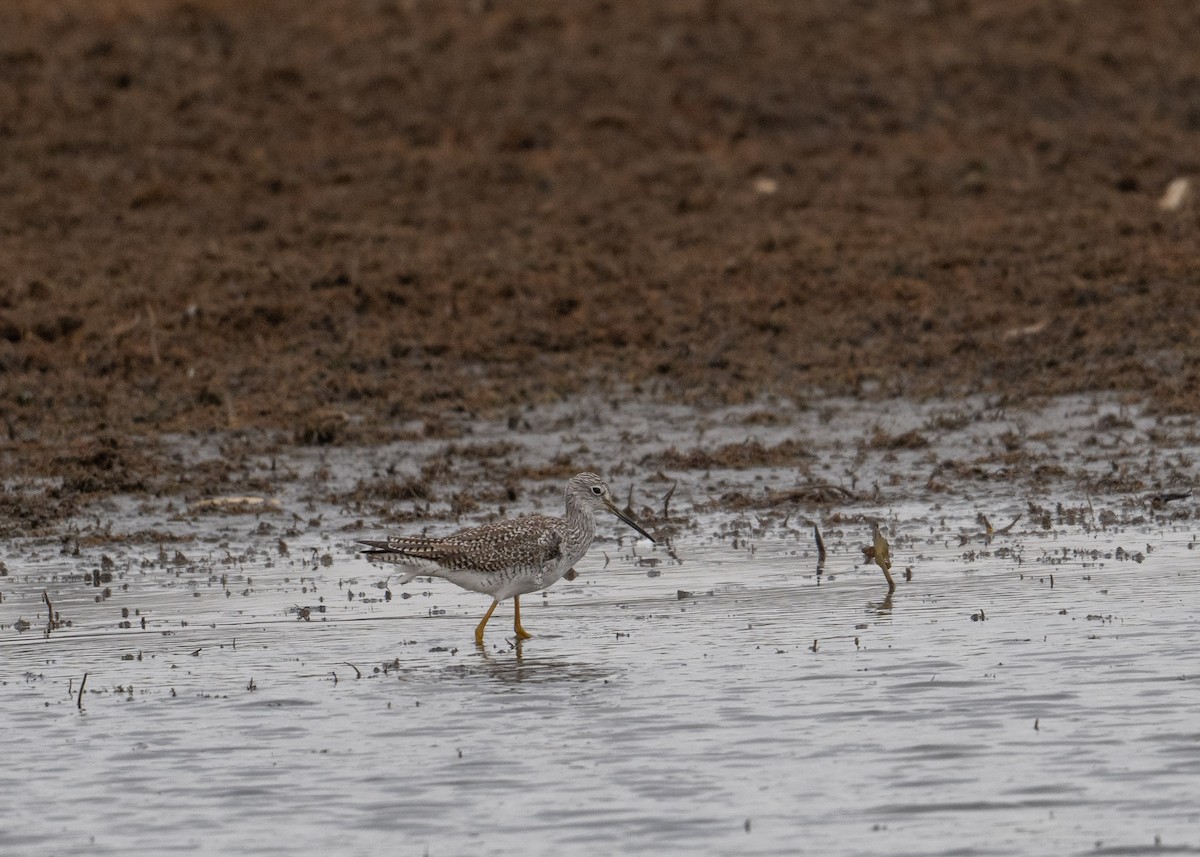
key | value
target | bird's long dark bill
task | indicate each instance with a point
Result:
(630, 521)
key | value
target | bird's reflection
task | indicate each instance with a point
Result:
(519, 664)
(884, 607)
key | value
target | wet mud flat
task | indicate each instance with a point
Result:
(1029, 685)
(227, 215)
(326, 259)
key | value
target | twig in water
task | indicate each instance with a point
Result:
(1008, 526)
(79, 698)
(1168, 497)
(820, 549)
(357, 671)
(667, 501)
(50, 625)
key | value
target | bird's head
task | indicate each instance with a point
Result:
(593, 493)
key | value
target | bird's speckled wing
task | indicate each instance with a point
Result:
(531, 541)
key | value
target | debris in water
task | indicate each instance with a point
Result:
(882, 556)
(235, 505)
(1165, 497)
(667, 501)
(1007, 527)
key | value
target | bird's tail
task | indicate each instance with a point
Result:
(383, 552)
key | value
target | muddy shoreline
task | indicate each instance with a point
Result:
(329, 225)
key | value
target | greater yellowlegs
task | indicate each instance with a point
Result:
(507, 559)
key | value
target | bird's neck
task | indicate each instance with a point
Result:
(581, 528)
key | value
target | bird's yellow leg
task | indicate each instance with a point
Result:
(483, 624)
(522, 634)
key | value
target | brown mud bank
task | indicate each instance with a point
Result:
(333, 220)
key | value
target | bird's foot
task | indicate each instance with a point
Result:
(520, 631)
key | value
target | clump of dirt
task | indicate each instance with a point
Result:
(389, 489)
(103, 465)
(751, 453)
(29, 510)
(907, 440)
(812, 494)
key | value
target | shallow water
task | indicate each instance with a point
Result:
(1035, 692)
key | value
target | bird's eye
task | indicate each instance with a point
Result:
(596, 489)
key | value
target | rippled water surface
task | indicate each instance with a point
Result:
(251, 689)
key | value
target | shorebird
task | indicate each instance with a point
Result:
(507, 559)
